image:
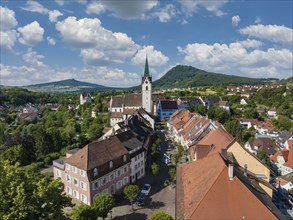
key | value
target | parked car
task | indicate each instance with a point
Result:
(140, 200)
(146, 189)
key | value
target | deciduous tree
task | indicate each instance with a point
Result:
(103, 204)
(131, 193)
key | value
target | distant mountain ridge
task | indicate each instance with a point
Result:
(182, 76)
(68, 85)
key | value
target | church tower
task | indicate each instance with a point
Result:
(146, 89)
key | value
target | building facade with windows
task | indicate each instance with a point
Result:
(98, 168)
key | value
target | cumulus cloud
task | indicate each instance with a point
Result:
(274, 33)
(191, 7)
(167, 13)
(235, 20)
(129, 9)
(31, 34)
(251, 43)
(95, 8)
(7, 17)
(156, 58)
(98, 45)
(33, 59)
(8, 34)
(51, 41)
(53, 15)
(235, 59)
(34, 6)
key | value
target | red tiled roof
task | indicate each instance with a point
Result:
(204, 191)
(289, 161)
(116, 115)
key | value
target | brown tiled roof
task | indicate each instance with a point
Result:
(168, 104)
(251, 120)
(116, 115)
(215, 141)
(129, 111)
(133, 99)
(264, 144)
(289, 161)
(283, 153)
(28, 115)
(117, 101)
(98, 153)
(290, 144)
(158, 96)
(204, 191)
(182, 119)
(223, 103)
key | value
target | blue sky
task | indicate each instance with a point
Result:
(106, 42)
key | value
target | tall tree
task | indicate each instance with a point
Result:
(103, 204)
(84, 212)
(27, 194)
(155, 170)
(131, 192)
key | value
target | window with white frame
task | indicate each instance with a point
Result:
(96, 185)
(104, 180)
(68, 190)
(68, 178)
(125, 180)
(83, 185)
(119, 184)
(74, 169)
(112, 176)
(67, 166)
(76, 194)
(58, 173)
(82, 172)
(75, 182)
(83, 198)
(125, 169)
(118, 173)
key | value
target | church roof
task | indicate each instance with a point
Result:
(146, 69)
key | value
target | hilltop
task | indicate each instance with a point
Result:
(182, 76)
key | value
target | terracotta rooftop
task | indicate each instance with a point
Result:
(289, 161)
(204, 191)
(116, 115)
(283, 153)
(264, 144)
(98, 153)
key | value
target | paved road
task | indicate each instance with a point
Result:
(160, 198)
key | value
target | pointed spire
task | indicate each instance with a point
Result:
(146, 68)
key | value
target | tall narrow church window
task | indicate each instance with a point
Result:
(146, 88)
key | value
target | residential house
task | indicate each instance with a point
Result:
(216, 188)
(224, 105)
(137, 154)
(28, 116)
(166, 108)
(283, 137)
(261, 144)
(188, 102)
(272, 112)
(283, 160)
(249, 122)
(28, 108)
(84, 98)
(243, 102)
(209, 101)
(98, 168)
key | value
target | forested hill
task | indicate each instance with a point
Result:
(187, 76)
(68, 85)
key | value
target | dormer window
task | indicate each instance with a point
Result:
(95, 172)
(110, 164)
(124, 158)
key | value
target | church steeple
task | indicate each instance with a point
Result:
(146, 68)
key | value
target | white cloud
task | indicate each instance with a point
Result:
(53, 15)
(31, 34)
(34, 6)
(98, 45)
(60, 2)
(51, 41)
(95, 8)
(235, 20)
(7, 18)
(274, 33)
(8, 34)
(155, 58)
(235, 59)
(251, 43)
(165, 14)
(130, 9)
(33, 59)
(191, 7)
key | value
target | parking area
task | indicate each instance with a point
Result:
(160, 197)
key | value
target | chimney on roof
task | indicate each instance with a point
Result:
(245, 170)
(224, 152)
(230, 171)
